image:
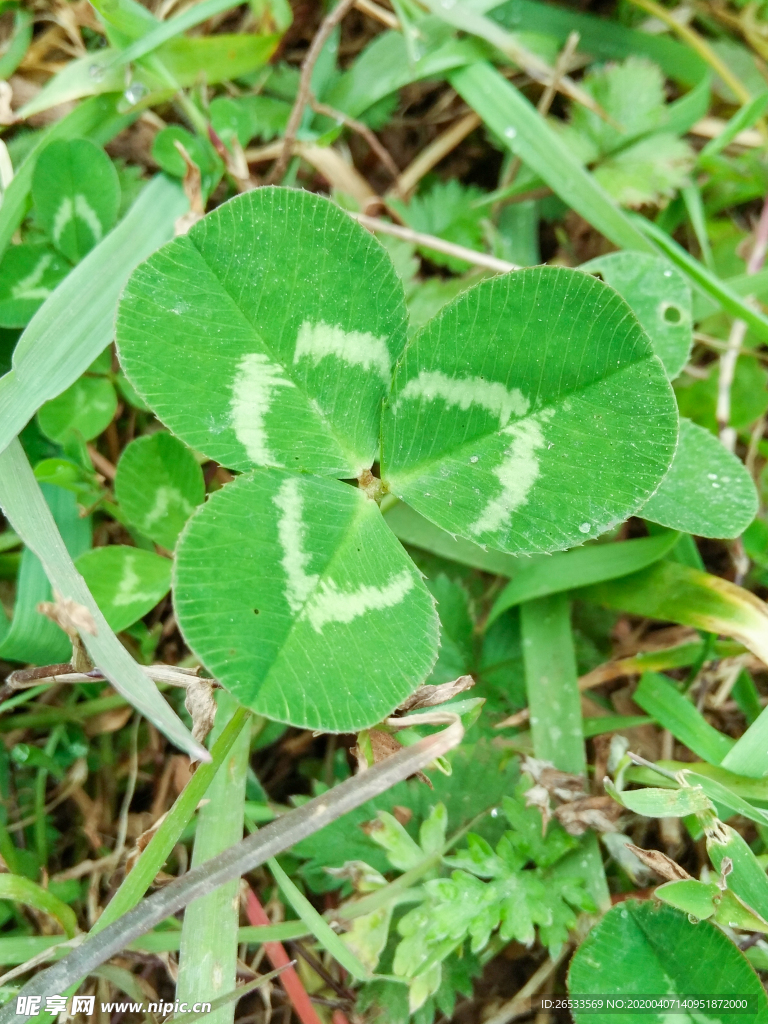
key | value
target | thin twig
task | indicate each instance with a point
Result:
(379, 13)
(480, 259)
(437, 150)
(364, 131)
(305, 83)
(736, 340)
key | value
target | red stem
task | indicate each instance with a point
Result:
(277, 956)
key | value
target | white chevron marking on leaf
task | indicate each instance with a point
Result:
(329, 604)
(324, 602)
(254, 387)
(292, 532)
(356, 348)
(465, 392)
(81, 209)
(29, 287)
(517, 472)
(129, 589)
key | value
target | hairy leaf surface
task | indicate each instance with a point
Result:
(530, 414)
(267, 335)
(298, 598)
(642, 949)
(660, 298)
(707, 491)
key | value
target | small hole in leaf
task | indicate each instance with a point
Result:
(672, 315)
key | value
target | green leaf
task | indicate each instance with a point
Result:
(673, 711)
(86, 408)
(631, 93)
(660, 298)
(77, 322)
(246, 117)
(650, 171)
(126, 582)
(707, 491)
(673, 592)
(706, 900)
(22, 890)
(662, 803)
(419, 532)
(747, 877)
(158, 486)
(530, 414)
(697, 399)
(297, 597)
(445, 210)
(76, 193)
(516, 121)
(28, 275)
(642, 949)
(580, 567)
(287, 350)
(177, 63)
(200, 152)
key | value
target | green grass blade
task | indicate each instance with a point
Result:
(22, 890)
(208, 956)
(412, 528)
(25, 507)
(749, 756)
(745, 117)
(524, 131)
(167, 30)
(551, 680)
(603, 39)
(14, 52)
(720, 291)
(317, 925)
(157, 851)
(581, 567)
(673, 592)
(76, 322)
(674, 712)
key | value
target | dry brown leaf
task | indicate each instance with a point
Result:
(200, 704)
(72, 617)
(192, 185)
(597, 812)
(660, 864)
(538, 796)
(383, 745)
(562, 785)
(431, 696)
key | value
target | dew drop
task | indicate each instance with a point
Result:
(96, 71)
(510, 133)
(474, 458)
(135, 92)
(585, 528)
(711, 476)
